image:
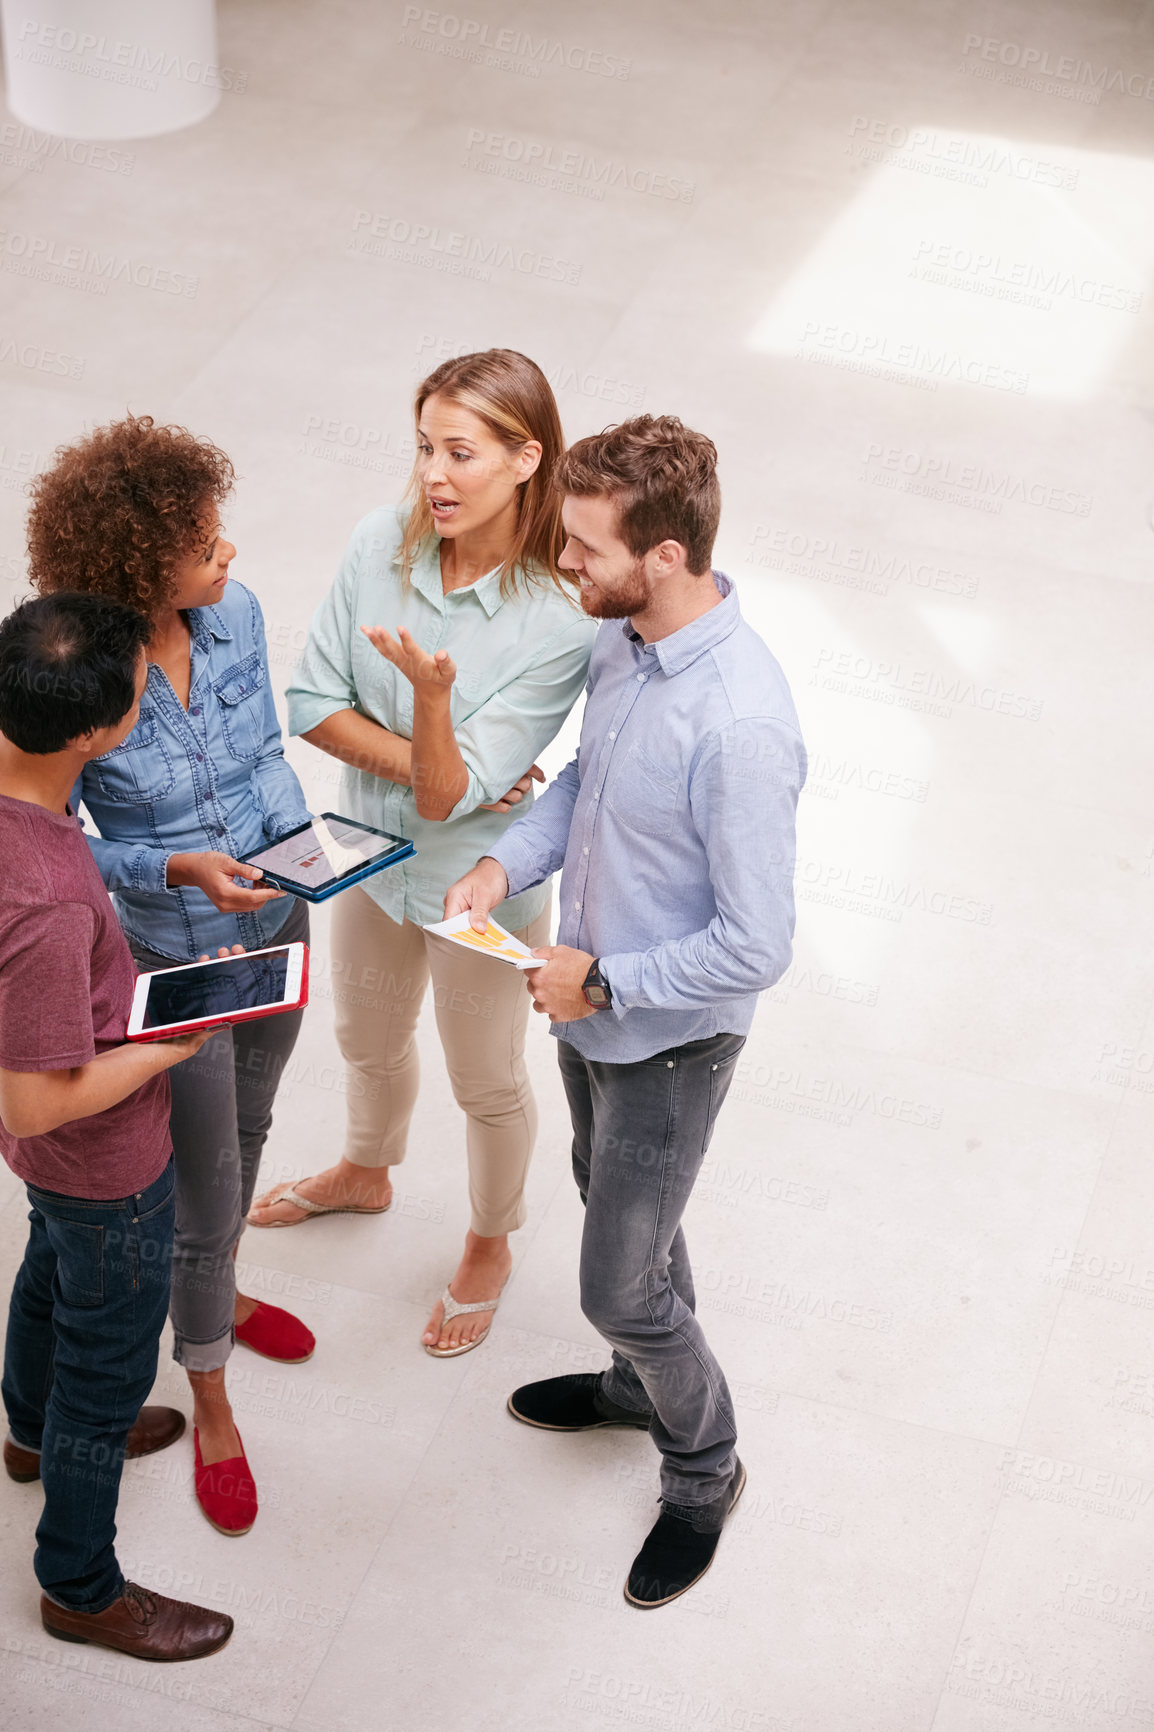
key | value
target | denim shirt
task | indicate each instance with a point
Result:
(212, 778)
(674, 826)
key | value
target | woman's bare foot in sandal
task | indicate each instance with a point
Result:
(481, 1274)
(344, 1186)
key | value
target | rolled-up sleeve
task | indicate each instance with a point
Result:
(323, 682)
(123, 865)
(743, 800)
(504, 736)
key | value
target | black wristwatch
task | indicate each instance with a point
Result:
(596, 988)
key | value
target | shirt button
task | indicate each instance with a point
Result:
(613, 733)
(218, 831)
(584, 850)
(200, 757)
(196, 709)
(641, 678)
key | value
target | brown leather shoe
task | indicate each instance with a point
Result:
(143, 1624)
(155, 1428)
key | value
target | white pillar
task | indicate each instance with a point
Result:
(111, 68)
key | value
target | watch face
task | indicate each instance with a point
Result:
(596, 995)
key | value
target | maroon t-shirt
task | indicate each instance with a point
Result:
(66, 982)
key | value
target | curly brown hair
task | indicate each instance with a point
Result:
(120, 509)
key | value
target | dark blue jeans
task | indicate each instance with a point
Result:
(84, 1326)
(640, 1132)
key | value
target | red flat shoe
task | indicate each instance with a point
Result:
(226, 1491)
(276, 1334)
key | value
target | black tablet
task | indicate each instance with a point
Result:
(327, 854)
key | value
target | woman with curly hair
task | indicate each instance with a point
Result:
(132, 512)
(446, 656)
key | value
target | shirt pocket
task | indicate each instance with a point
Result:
(240, 697)
(645, 796)
(140, 770)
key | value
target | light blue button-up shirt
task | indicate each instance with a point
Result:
(521, 664)
(675, 827)
(210, 778)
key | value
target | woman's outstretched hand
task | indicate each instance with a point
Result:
(424, 672)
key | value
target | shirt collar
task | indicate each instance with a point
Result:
(206, 622)
(426, 580)
(681, 648)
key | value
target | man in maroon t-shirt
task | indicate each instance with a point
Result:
(84, 1122)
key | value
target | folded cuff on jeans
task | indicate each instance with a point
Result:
(203, 1355)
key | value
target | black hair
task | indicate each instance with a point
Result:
(68, 663)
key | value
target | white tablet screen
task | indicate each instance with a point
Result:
(322, 853)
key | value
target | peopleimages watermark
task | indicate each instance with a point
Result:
(1038, 63)
(502, 46)
(1126, 1067)
(356, 445)
(537, 162)
(664, 1706)
(827, 777)
(823, 984)
(454, 251)
(916, 688)
(1042, 1695)
(973, 484)
(953, 266)
(22, 147)
(80, 267)
(1102, 1274)
(37, 359)
(118, 62)
(954, 157)
(881, 896)
(1053, 1480)
(851, 564)
(772, 1301)
(784, 1083)
(1126, 1604)
(879, 355)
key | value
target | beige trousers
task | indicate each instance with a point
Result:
(380, 973)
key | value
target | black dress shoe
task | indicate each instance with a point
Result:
(679, 1549)
(572, 1403)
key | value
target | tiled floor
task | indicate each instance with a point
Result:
(895, 258)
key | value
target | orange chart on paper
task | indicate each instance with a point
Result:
(492, 940)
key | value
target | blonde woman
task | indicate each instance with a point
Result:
(446, 656)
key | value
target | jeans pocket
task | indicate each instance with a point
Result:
(720, 1076)
(79, 1249)
(165, 1202)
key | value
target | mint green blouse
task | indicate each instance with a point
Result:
(521, 664)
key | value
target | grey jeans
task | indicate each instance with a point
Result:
(640, 1132)
(222, 1101)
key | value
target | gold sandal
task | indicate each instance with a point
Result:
(454, 1308)
(293, 1196)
